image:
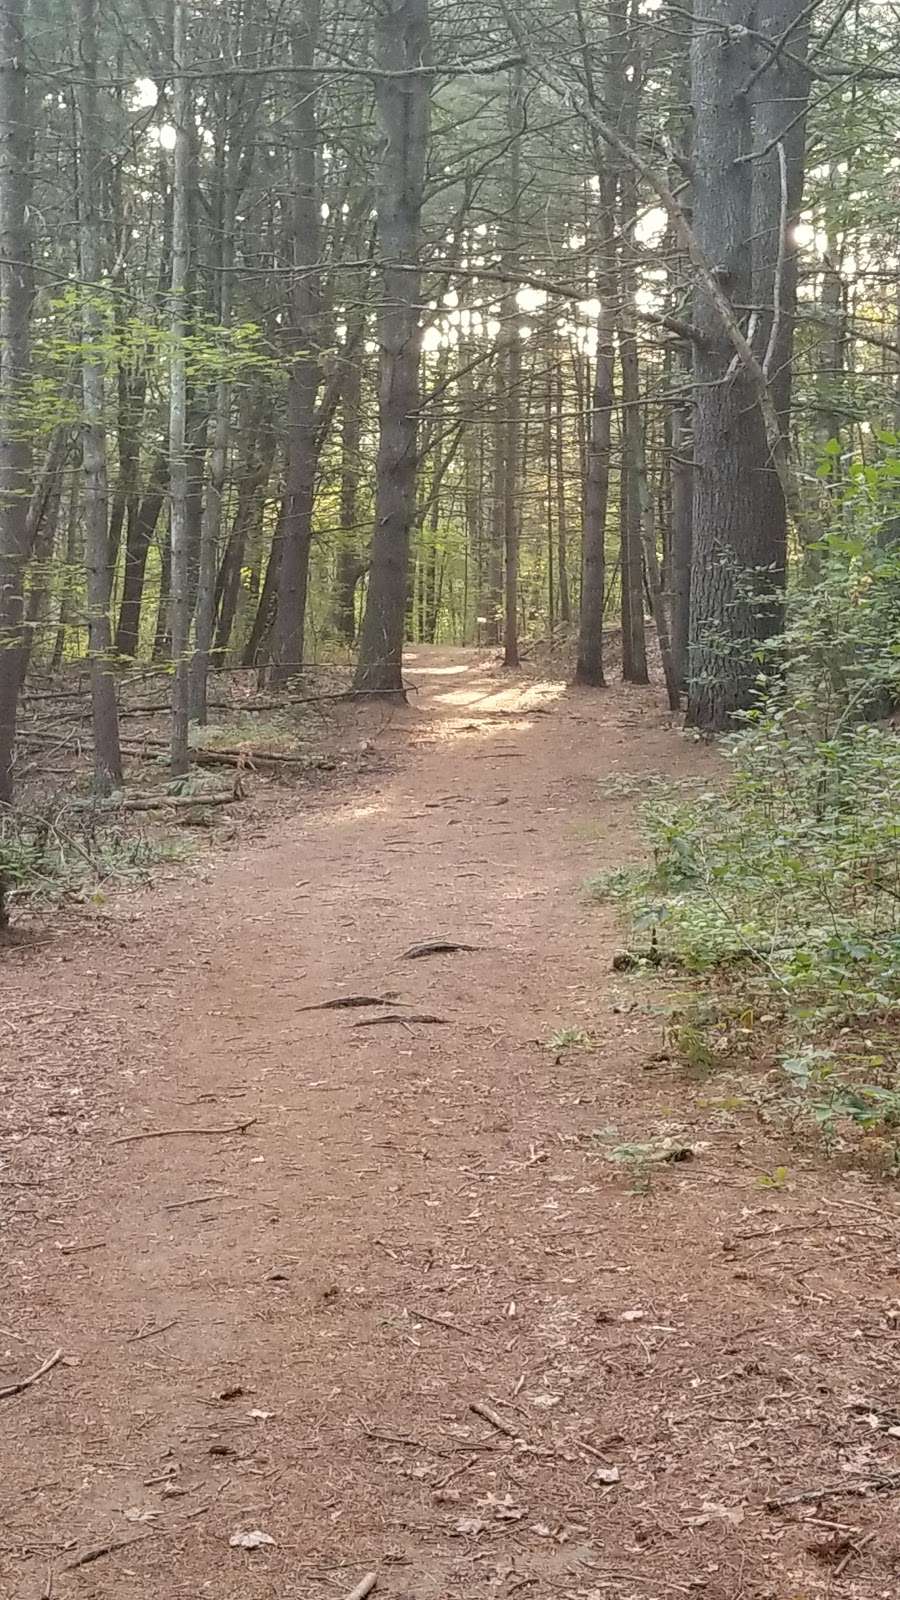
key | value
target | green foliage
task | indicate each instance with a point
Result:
(73, 856)
(781, 888)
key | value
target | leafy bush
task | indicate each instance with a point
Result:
(782, 886)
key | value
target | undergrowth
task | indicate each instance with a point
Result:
(778, 891)
(73, 855)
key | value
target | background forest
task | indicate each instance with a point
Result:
(327, 325)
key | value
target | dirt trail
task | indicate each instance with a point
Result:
(420, 1217)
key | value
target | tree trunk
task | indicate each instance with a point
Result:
(729, 546)
(403, 95)
(682, 539)
(589, 662)
(15, 368)
(143, 515)
(350, 566)
(180, 599)
(779, 98)
(512, 319)
(107, 756)
(303, 383)
(256, 466)
(562, 519)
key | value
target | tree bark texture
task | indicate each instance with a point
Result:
(403, 96)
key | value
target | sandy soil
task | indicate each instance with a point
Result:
(289, 1329)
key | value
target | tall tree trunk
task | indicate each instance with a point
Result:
(512, 321)
(589, 662)
(15, 370)
(107, 755)
(682, 539)
(349, 566)
(403, 94)
(779, 98)
(729, 547)
(562, 517)
(180, 599)
(634, 644)
(303, 383)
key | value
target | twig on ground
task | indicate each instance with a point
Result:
(347, 1002)
(150, 1333)
(26, 1383)
(76, 1249)
(856, 1548)
(200, 1200)
(875, 1483)
(441, 1322)
(495, 1420)
(47, 1591)
(455, 1472)
(395, 1016)
(99, 1550)
(364, 1587)
(172, 1133)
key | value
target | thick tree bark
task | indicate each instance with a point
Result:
(730, 548)
(107, 755)
(404, 109)
(742, 475)
(15, 369)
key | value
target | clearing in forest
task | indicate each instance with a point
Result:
(400, 1288)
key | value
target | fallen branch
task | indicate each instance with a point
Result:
(346, 1002)
(364, 1587)
(172, 1133)
(158, 802)
(875, 1483)
(435, 947)
(495, 1420)
(26, 1383)
(395, 1016)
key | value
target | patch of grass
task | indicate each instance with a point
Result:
(571, 1039)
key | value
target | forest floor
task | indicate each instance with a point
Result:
(413, 1319)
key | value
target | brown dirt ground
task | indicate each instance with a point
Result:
(420, 1217)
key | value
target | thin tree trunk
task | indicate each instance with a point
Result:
(303, 383)
(512, 321)
(143, 515)
(70, 562)
(350, 566)
(589, 662)
(107, 755)
(403, 95)
(180, 601)
(15, 369)
(562, 516)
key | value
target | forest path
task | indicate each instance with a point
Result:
(420, 1218)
